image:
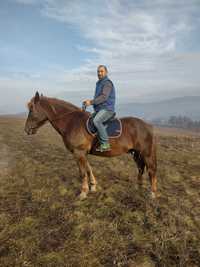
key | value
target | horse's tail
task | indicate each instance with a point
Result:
(139, 160)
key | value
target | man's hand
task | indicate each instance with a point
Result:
(87, 102)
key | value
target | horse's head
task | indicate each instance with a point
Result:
(36, 117)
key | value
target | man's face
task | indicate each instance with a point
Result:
(101, 73)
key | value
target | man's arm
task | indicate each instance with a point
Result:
(104, 95)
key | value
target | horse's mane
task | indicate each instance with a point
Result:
(56, 103)
(61, 104)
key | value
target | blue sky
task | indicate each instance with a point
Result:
(151, 48)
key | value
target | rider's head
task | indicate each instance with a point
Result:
(101, 71)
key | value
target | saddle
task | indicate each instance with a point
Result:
(113, 127)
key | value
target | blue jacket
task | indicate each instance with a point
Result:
(109, 103)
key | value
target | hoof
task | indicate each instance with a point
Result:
(82, 196)
(153, 195)
(93, 188)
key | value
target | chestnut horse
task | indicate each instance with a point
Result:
(70, 122)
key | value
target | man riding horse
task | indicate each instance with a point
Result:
(104, 106)
(137, 137)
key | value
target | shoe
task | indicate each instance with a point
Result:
(104, 147)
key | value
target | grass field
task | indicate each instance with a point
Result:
(43, 224)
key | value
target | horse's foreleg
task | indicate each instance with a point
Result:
(93, 182)
(82, 164)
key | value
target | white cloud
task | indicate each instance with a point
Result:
(131, 35)
(137, 40)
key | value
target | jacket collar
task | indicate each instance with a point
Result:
(104, 79)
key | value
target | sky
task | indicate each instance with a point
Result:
(151, 48)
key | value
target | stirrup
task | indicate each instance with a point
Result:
(103, 148)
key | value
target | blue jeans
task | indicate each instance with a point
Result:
(98, 119)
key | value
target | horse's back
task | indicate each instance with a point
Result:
(129, 124)
(137, 123)
(139, 132)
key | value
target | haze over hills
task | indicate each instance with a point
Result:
(179, 106)
(185, 106)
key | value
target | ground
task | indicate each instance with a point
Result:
(43, 224)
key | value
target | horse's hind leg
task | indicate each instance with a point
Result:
(93, 182)
(151, 167)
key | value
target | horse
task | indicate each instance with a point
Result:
(69, 121)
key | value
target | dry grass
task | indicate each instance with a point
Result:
(42, 224)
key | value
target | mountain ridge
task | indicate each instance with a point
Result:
(178, 106)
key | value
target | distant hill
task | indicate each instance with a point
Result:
(185, 106)
(188, 106)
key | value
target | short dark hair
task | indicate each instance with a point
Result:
(103, 66)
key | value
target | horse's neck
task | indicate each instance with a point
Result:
(56, 110)
(60, 106)
(55, 107)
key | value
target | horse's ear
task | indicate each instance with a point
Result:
(41, 95)
(37, 97)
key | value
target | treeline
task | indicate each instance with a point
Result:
(183, 122)
(179, 122)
